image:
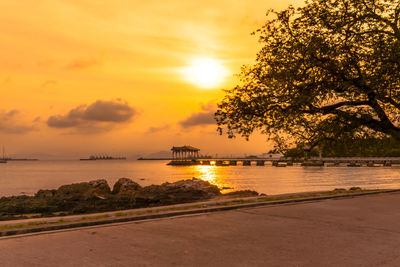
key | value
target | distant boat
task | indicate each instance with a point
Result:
(104, 157)
(353, 165)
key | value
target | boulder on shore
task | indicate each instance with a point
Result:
(83, 190)
(125, 186)
(179, 192)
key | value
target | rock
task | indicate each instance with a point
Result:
(339, 189)
(179, 192)
(100, 186)
(66, 191)
(355, 188)
(96, 196)
(125, 186)
(45, 193)
(84, 190)
(226, 188)
(82, 197)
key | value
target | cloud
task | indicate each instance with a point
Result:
(10, 123)
(205, 117)
(83, 64)
(152, 130)
(94, 118)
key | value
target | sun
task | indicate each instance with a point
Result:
(206, 73)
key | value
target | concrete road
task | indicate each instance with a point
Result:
(362, 231)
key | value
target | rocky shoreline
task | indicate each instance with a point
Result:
(97, 196)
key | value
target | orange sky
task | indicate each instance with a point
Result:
(83, 76)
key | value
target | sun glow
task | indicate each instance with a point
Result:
(206, 73)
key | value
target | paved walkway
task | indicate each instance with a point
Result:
(361, 231)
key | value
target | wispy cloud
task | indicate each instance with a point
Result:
(11, 123)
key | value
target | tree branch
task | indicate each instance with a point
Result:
(342, 104)
(391, 101)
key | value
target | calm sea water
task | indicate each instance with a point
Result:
(28, 177)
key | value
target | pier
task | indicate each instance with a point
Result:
(320, 162)
(190, 156)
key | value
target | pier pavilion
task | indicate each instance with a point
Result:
(185, 152)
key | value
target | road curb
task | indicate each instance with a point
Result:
(169, 214)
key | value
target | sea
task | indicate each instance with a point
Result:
(27, 177)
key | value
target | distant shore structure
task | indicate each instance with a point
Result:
(104, 157)
(185, 152)
(5, 158)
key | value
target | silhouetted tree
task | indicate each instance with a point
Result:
(327, 70)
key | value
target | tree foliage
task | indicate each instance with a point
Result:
(354, 147)
(327, 70)
(362, 147)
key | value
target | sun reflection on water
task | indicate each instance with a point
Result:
(207, 173)
(211, 175)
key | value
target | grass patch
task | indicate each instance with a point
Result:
(94, 218)
(121, 214)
